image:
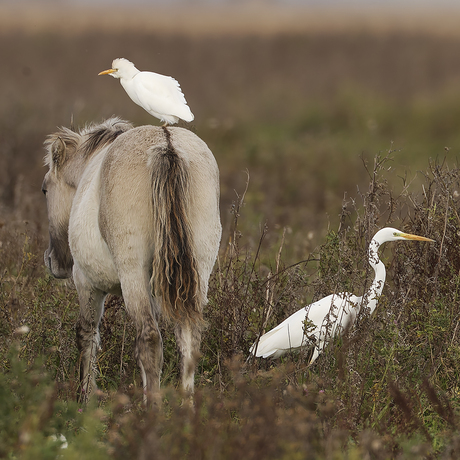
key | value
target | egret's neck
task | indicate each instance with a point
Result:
(129, 74)
(380, 274)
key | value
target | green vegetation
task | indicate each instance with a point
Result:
(320, 140)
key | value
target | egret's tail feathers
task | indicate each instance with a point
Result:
(266, 346)
(188, 115)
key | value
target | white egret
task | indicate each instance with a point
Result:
(317, 323)
(159, 95)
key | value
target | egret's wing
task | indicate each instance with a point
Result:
(325, 318)
(334, 313)
(290, 334)
(161, 94)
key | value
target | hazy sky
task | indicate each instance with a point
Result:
(392, 3)
(395, 3)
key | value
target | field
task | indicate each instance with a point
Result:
(324, 131)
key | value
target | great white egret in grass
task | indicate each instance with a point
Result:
(318, 323)
(159, 95)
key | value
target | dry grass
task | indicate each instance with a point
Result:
(388, 389)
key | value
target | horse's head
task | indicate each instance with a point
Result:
(59, 188)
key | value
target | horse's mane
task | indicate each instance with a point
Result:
(98, 135)
(91, 138)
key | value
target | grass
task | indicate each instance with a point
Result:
(388, 389)
(320, 140)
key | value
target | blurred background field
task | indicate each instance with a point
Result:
(299, 108)
(300, 101)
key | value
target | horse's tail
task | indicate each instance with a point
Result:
(175, 277)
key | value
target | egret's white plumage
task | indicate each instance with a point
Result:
(159, 95)
(317, 323)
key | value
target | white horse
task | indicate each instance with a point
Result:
(134, 211)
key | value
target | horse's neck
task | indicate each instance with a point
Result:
(88, 165)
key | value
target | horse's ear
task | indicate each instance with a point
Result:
(58, 149)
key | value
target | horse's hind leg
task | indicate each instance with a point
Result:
(88, 340)
(188, 338)
(149, 345)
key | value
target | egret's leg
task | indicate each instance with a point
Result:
(315, 354)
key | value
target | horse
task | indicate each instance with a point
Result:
(134, 211)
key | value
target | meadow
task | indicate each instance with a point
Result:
(321, 137)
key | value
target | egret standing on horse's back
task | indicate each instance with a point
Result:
(159, 95)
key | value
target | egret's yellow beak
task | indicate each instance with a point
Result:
(106, 72)
(408, 236)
